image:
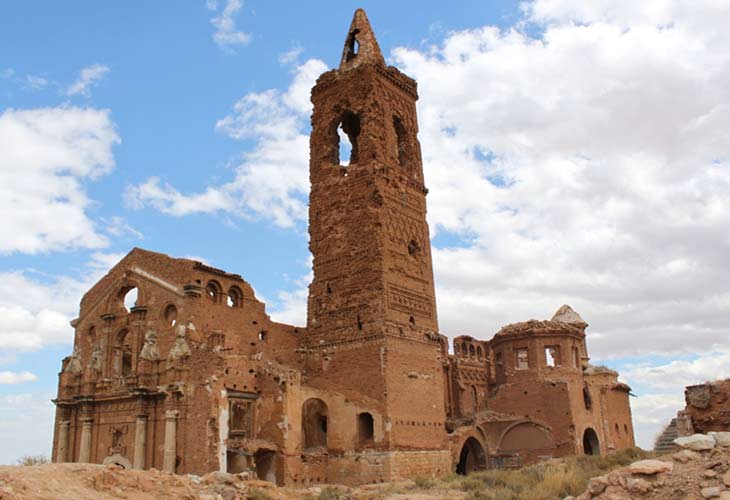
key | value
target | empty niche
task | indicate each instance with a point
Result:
(170, 315)
(400, 140)
(365, 429)
(314, 423)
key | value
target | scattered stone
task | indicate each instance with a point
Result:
(722, 438)
(696, 442)
(597, 485)
(711, 492)
(709, 474)
(685, 456)
(725, 495)
(726, 479)
(638, 485)
(650, 467)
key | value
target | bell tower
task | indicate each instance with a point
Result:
(371, 307)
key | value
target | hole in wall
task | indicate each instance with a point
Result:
(130, 298)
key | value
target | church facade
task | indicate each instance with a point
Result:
(195, 377)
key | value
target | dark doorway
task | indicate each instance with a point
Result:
(472, 457)
(591, 445)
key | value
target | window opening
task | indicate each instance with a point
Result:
(348, 131)
(213, 291)
(235, 297)
(353, 46)
(130, 298)
(240, 419)
(552, 355)
(521, 359)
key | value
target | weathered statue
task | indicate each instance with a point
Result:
(95, 362)
(150, 351)
(180, 349)
(74, 363)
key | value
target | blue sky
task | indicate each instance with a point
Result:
(575, 154)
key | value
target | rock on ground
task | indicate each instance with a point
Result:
(685, 475)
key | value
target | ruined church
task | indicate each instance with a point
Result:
(195, 377)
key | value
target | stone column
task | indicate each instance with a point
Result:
(140, 442)
(62, 445)
(85, 445)
(170, 454)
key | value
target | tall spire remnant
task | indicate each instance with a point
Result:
(360, 45)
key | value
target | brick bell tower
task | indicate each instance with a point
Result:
(371, 323)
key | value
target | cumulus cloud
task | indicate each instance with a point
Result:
(586, 166)
(36, 309)
(226, 35)
(87, 78)
(661, 386)
(271, 180)
(7, 377)
(45, 154)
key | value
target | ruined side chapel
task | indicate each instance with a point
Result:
(193, 376)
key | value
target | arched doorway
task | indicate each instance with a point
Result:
(314, 423)
(265, 462)
(472, 457)
(591, 445)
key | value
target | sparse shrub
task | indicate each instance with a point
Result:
(257, 494)
(333, 493)
(424, 483)
(30, 460)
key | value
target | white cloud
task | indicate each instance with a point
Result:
(588, 166)
(36, 82)
(45, 154)
(291, 56)
(271, 180)
(36, 309)
(660, 386)
(7, 377)
(226, 35)
(88, 77)
(26, 426)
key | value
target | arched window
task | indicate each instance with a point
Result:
(214, 291)
(129, 296)
(347, 131)
(464, 349)
(400, 140)
(314, 423)
(472, 353)
(479, 353)
(235, 297)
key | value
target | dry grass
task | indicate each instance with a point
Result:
(30, 460)
(550, 480)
